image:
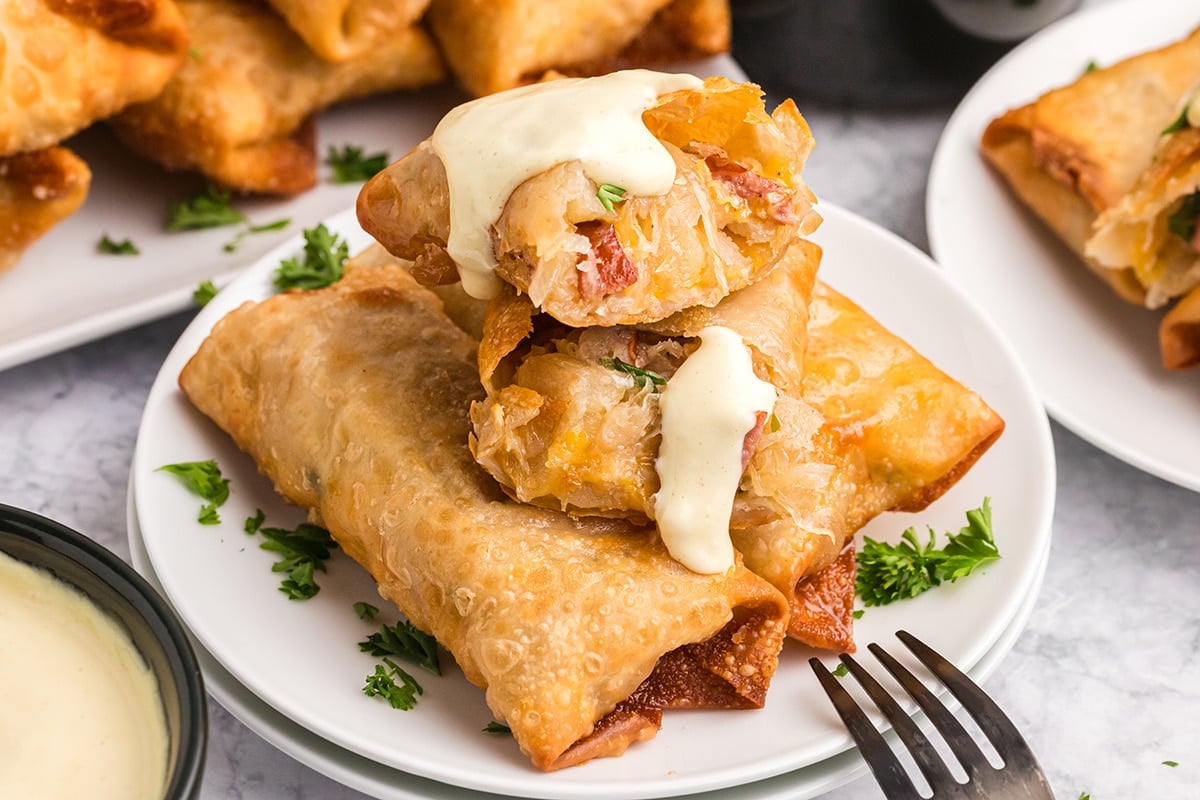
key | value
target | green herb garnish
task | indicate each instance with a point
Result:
(609, 196)
(497, 729)
(209, 209)
(365, 611)
(302, 552)
(773, 423)
(406, 641)
(351, 166)
(858, 613)
(193, 53)
(254, 523)
(841, 671)
(204, 292)
(890, 572)
(236, 241)
(382, 683)
(1182, 221)
(1092, 66)
(325, 255)
(641, 377)
(111, 247)
(203, 478)
(1180, 122)
(1170, 763)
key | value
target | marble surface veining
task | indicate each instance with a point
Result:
(1104, 682)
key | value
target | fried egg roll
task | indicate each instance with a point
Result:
(919, 429)
(495, 46)
(66, 63)
(338, 30)
(1109, 163)
(240, 110)
(37, 191)
(736, 204)
(354, 401)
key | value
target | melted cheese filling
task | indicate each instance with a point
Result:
(492, 145)
(81, 714)
(708, 407)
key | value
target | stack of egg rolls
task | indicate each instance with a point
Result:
(1111, 163)
(497, 473)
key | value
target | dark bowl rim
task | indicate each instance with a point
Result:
(184, 781)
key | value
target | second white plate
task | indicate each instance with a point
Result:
(1093, 357)
(302, 658)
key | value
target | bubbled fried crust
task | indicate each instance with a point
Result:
(67, 63)
(560, 620)
(37, 191)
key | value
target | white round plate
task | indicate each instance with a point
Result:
(302, 658)
(386, 783)
(1093, 358)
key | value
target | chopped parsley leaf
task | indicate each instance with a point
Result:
(254, 523)
(351, 166)
(641, 377)
(609, 196)
(406, 641)
(497, 729)
(365, 610)
(209, 209)
(1182, 221)
(236, 241)
(324, 258)
(204, 292)
(888, 572)
(111, 247)
(858, 613)
(1170, 763)
(302, 552)
(203, 478)
(841, 671)
(382, 683)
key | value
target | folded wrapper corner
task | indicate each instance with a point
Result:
(339, 30)
(241, 109)
(495, 46)
(38, 190)
(354, 401)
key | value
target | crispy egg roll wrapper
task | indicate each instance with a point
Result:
(1179, 333)
(919, 429)
(562, 621)
(737, 203)
(338, 30)
(240, 110)
(38, 190)
(66, 63)
(1075, 152)
(559, 429)
(494, 46)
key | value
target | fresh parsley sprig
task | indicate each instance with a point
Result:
(382, 683)
(407, 641)
(236, 242)
(890, 572)
(1180, 122)
(204, 292)
(641, 377)
(203, 478)
(349, 165)
(609, 196)
(302, 552)
(365, 610)
(497, 729)
(324, 258)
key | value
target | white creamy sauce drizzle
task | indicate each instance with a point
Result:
(492, 145)
(708, 407)
(82, 715)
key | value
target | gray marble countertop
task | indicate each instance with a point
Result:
(1104, 682)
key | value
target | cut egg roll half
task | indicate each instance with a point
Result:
(607, 201)
(354, 400)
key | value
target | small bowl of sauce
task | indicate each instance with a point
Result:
(101, 693)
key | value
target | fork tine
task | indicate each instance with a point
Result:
(889, 772)
(1005, 737)
(969, 755)
(927, 758)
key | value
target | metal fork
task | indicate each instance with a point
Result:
(1019, 777)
